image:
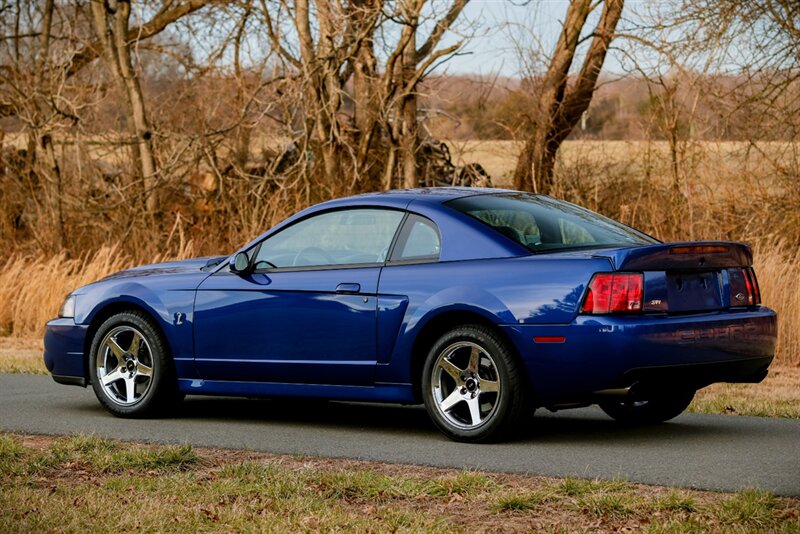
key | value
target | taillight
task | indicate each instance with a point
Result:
(757, 290)
(751, 295)
(614, 293)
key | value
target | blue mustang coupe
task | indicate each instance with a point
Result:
(481, 303)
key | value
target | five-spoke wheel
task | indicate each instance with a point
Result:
(470, 385)
(465, 384)
(125, 374)
(129, 366)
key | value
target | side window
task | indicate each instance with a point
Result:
(418, 241)
(344, 237)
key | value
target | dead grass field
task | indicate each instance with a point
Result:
(710, 163)
(84, 483)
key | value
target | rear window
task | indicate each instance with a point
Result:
(543, 223)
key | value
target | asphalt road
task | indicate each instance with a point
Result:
(697, 451)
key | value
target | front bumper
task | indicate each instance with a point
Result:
(651, 352)
(64, 343)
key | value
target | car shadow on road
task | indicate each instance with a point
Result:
(587, 425)
(307, 411)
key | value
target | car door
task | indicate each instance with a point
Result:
(306, 313)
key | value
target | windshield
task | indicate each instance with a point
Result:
(542, 223)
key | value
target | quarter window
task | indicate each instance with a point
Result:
(344, 237)
(418, 241)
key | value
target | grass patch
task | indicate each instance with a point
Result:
(777, 396)
(675, 501)
(528, 500)
(11, 450)
(575, 487)
(607, 504)
(22, 355)
(366, 486)
(108, 456)
(463, 484)
(750, 508)
(86, 483)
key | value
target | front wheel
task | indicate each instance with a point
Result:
(649, 411)
(129, 366)
(471, 386)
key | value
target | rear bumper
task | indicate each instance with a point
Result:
(601, 353)
(64, 343)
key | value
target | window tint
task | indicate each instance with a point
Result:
(542, 223)
(358, 236)
(419, 240)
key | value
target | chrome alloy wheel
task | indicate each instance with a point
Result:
(125, 374)
(465, 385)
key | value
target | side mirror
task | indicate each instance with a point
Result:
(240, 264)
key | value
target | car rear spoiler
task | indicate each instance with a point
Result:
(683, 256)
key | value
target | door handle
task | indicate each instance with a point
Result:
(348, 288)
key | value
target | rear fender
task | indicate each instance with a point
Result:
(463, 299)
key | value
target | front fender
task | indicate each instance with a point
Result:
(89, 305)
(171, 309)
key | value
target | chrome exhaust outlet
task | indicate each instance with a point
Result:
(618, 392)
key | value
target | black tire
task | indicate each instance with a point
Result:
(649, 411)
(159, 393)
(497, 368)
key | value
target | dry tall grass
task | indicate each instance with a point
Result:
(32, 288)
(777, 267)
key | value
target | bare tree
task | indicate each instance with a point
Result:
(559, 104)
(336, 43)
(30, 92)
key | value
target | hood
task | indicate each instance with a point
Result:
(194, 265)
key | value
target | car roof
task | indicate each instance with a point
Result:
(437, 195)
(482, 237)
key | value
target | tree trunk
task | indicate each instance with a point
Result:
(534, 170)
(57, 179)
(365, 104)
(558, 108)
(409, 136)
(113, 36)
(243, 132)
(144, 135)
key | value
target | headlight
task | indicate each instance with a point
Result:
(68, 308)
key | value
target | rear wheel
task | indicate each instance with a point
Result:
(471, 386)
(130, 369)
(649, 411)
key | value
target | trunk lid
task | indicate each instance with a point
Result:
(686, 277)
(681, 256)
